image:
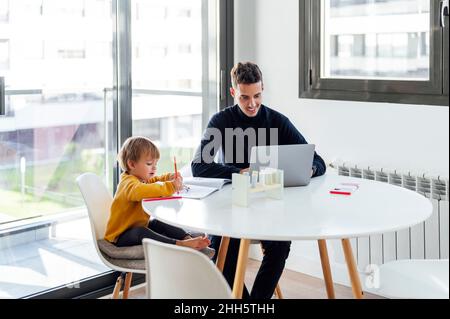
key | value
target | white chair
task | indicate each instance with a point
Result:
(126, 260)
(413, 279)
(175, 272)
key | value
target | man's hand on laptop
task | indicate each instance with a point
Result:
(247, 170)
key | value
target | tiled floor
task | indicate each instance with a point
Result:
(61, 260)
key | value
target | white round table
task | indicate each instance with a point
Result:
(304, 213)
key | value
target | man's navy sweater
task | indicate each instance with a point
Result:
(234, 118)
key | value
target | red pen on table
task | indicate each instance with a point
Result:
(340, 193)
(161, 199)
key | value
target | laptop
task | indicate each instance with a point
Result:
(295, 160)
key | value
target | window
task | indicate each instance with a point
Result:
(370, 50)
(28, 9)
(69, 107)
(64, 8)
(4, 54)
(184, 13)
(145, 10)
(75, 51)
(184, 48)
(99, 50)
(29, 49)
(98, 9)
(169, 73)
(151, 51)
(58, 126)
(4, 10)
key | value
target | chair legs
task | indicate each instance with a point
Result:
(117, 287)
(126, 288)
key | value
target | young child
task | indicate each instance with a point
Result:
(128, 224)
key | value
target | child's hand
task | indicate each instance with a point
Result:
(172, 177)
(178, 183)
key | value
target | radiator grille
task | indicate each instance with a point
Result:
(429, 240)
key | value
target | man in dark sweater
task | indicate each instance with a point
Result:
(233, 132)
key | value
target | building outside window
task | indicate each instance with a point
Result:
(167, 38)
(370, 50)
(64, 8)
(4, 54)
(4, 11)
(57, 127)
(392, 50)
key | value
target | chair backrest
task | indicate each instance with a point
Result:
(175, 272)
(98, 201)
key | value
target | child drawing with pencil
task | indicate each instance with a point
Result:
(128, 224)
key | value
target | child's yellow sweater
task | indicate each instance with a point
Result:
(126, 209)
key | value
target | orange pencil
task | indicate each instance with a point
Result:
(175, 165)
(176, 170)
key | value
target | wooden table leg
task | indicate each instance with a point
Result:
(222, 254)
(352, 269)
(278, 292)
(238, 286)
(326, 269)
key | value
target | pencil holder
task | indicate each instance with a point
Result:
(271, 182)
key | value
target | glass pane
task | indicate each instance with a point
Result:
(4, 11)
(4, 54)
(373, 39)
(167, 56)
(56, 58)
(175, 125)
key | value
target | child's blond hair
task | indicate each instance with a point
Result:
(134, 148)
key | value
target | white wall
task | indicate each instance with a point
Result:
(389, 135)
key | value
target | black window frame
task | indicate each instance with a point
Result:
(312, 85)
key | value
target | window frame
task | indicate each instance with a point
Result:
(226, 52)
(312, 85)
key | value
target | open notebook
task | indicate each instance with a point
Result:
(200, 188)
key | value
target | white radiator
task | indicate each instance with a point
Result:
(429, 240)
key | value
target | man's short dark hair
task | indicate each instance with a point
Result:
(245, 73)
